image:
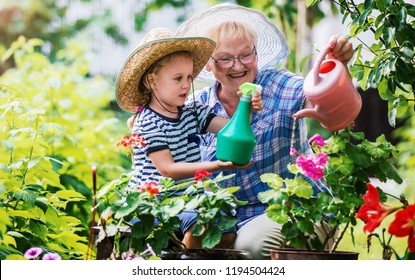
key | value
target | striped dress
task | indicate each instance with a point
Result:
(179, 135)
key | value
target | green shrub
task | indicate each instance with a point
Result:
(56, 123)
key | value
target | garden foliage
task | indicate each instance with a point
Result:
(55, 124)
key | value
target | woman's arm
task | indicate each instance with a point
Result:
(165, 164)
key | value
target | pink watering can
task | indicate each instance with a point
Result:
(330, 90)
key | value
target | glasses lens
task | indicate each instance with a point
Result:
(229, 62)
(225, 62)
(247, 58)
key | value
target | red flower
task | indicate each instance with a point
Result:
(201, 174)
(404, 224)
(151, 187)
(372, 212)
(130, 141)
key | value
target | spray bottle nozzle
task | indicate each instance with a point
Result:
(249, 88)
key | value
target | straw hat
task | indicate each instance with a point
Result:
(158, 43)
(271, 47)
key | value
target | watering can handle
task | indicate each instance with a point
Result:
(317, 64)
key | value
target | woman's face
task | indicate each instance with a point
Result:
(172, 83)
(231, 78)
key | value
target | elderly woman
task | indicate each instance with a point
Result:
(249, 47)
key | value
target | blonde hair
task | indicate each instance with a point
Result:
(144, 83)
(231, 30)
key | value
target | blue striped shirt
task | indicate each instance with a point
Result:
(177, 135)
(273, 126)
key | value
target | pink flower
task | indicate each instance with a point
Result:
(33, 253)
(51, 256)
(293, 151)
(312, 165)
(318, 139)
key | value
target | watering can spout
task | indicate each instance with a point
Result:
(311, 113)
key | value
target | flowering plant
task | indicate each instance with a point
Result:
(149, 211)
(37, 253)
(127, 143)
(374, 211)
(154, 209)
(344, 163)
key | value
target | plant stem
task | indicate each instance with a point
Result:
(339, 237)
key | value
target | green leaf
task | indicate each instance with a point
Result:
(27, 196)
(277, 214)
(358, 156)
(392, 117)
(363, 16)
(306, 226)
(311, 2)
(70, 195)
(175, 206)
(303, 61)
(232, 189)
(273, 180)
(22, 214)
(406, 71)
(401, 16)
(299, 187)
(225, 222)
(391, 172)
(407, 51)
(128, 209)
(108, 231)
(143, 227)
(212, 237)
(387, 34)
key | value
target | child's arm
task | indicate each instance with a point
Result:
(165, 164)
(218, 123)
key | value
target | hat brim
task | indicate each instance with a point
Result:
(271, 47)
(143, 57)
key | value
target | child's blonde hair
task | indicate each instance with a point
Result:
(144, 84)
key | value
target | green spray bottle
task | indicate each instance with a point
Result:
(236, 141)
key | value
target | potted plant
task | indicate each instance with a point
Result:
(346, 162)
(154, 208)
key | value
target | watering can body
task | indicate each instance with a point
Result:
(236, 140)
(332, 94)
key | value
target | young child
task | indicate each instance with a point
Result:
(154, 82)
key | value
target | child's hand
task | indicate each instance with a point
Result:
(256, 102)
(228, 165)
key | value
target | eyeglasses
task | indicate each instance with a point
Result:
(228, 62)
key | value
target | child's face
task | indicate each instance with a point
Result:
(173, 82)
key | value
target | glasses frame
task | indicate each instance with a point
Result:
(238, 58)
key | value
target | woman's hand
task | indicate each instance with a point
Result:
(341, 48)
